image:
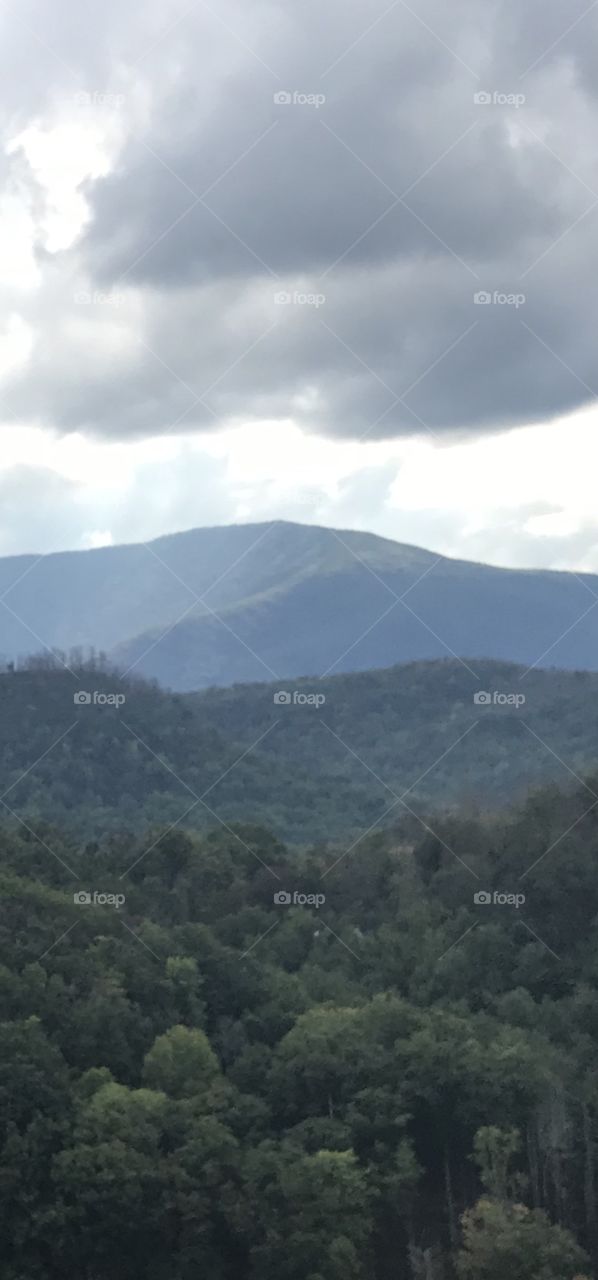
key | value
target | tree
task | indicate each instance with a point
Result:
(313, 1215)
(494, 1149)
(182, 1063)
(511, 1242)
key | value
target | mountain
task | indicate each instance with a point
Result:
(246, 603)
(327, 762)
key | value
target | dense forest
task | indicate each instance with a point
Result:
(224, 1057)
(142, 755)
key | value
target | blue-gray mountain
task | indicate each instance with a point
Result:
(267, 601)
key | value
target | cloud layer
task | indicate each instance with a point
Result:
(377, 202)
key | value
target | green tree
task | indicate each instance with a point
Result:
(494, 1150)
(182, 1063)
(313, 1215)
(501, 1241)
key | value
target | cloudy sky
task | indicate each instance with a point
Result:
(333, 262)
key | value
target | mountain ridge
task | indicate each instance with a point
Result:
(306, 770)
(279, 599)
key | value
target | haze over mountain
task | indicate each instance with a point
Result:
(244, 603)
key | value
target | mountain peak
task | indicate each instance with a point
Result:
(279, 599)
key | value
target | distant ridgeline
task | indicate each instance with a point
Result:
(313, 760)
(262, 601)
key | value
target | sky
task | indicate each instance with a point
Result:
(333, 263)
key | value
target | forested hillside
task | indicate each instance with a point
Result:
(307, 772)
(364, 1054)
(298, 640)
(201, 1077)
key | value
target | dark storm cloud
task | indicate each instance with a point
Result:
(381, 212)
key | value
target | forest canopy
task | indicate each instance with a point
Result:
(228, 1057)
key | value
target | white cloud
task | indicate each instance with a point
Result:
(61, 157)
(513, 498)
